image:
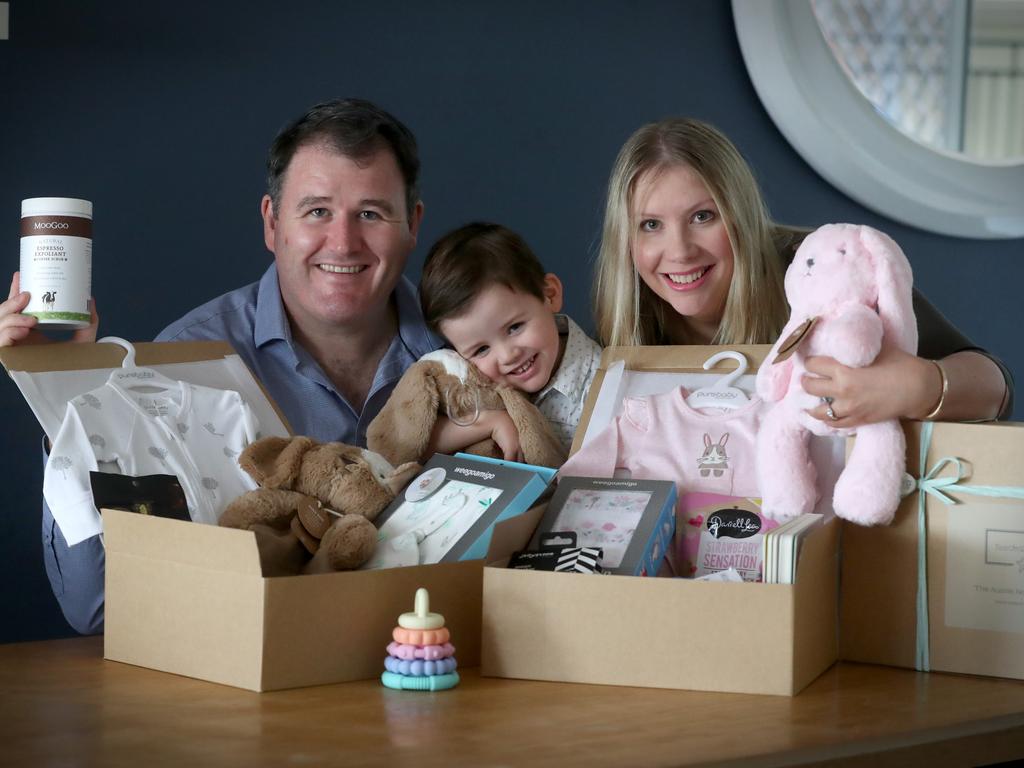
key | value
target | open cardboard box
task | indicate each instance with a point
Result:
(665, 632)
(191, 599)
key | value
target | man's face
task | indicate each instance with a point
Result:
(340, 237)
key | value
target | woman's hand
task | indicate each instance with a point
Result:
(896, 385)
(16, 328)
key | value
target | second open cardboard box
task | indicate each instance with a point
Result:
(663, 632)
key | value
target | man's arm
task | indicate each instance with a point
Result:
(75, 573)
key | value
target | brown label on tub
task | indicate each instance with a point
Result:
(43, 226)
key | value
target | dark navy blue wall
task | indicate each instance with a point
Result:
(161, 115)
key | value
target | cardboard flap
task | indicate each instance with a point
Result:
(70, 356)
(816, 596)
(49, 375)
(206, 546)
(513, 534)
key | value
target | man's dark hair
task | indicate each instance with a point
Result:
(470, 259)
(355, 128)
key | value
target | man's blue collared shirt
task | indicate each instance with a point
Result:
(252, 319)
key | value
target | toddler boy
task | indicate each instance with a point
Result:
(485, 291)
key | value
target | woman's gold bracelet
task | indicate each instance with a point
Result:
(942, 397)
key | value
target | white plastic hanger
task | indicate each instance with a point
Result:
(132, 376)
(721, 394)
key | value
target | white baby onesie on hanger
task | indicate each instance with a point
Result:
(189, 431)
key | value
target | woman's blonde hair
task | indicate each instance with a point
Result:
(626, 311)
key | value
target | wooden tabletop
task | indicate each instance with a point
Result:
(61, 704)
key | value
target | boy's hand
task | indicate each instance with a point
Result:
(449, 437)
(505, 435)
(16, 328)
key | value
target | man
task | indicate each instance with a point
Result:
(332, 324)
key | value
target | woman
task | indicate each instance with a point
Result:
(689, 255)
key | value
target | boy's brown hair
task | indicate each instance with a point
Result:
(470, 259)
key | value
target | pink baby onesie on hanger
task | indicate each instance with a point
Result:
(661, 437)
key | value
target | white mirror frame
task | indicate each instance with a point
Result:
(836, 129)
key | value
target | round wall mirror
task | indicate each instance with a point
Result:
(947, 73)
(915, 110)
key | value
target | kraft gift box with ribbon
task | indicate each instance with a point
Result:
(942, 588)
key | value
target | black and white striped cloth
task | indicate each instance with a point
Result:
(580, 560)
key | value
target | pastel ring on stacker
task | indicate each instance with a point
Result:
(431, 683)
(429, 652)
(421, 636)
(419, 668)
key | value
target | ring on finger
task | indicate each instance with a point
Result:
(831, 414)
(828, 400)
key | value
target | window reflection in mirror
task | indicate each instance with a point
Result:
(947, 73)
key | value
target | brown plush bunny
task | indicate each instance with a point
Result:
(301, 483)
(444, 384)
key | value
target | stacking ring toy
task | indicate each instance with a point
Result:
(420, 658)
(431, 683)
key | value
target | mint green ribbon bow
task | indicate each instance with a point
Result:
(938, 487)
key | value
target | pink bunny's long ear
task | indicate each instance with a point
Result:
(773, 380)
(895, 282)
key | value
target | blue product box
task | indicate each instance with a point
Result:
(448, 512)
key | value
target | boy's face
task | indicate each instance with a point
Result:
(510, 336)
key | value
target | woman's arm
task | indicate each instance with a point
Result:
(899, 385)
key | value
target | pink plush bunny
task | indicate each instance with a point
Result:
(856, 281)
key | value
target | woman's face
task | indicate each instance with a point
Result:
(680, 246)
